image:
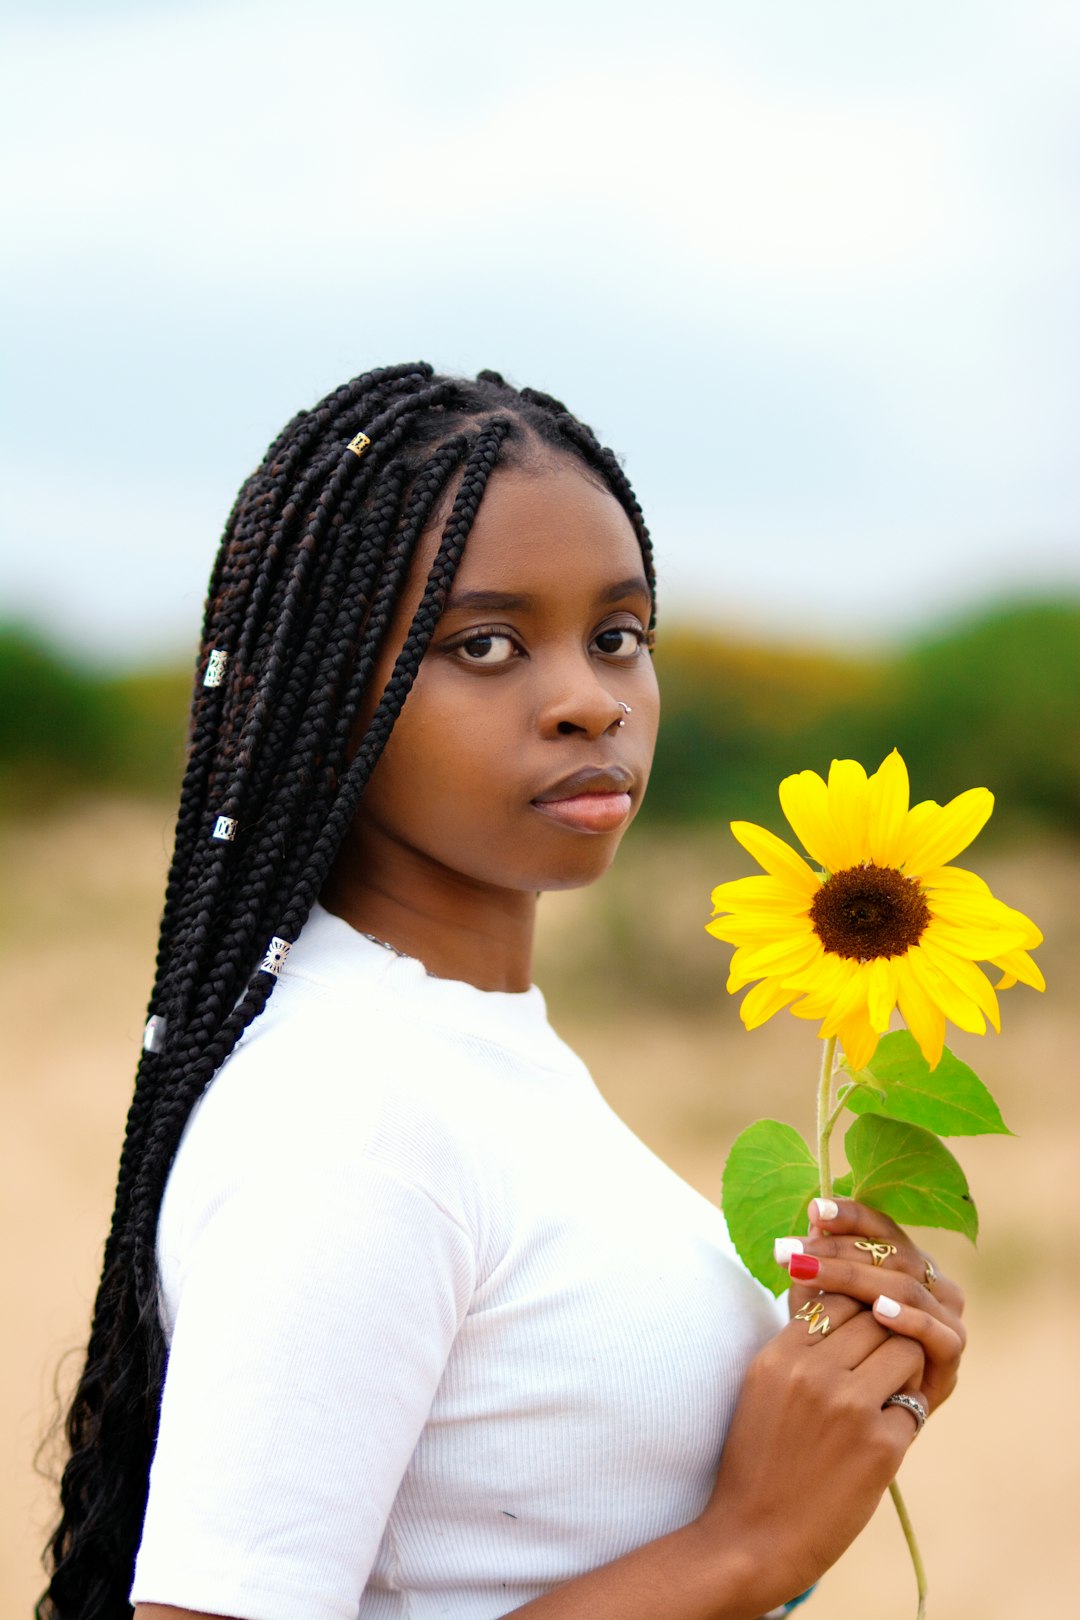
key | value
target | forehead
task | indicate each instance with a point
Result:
(546, 529)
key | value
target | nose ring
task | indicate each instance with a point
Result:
(626, 709)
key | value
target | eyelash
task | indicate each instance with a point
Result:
(494, 633)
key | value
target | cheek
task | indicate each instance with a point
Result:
(440, 766)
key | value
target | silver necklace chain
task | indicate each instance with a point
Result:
(404, 955)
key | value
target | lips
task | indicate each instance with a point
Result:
(593, 799)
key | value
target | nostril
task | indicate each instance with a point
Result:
(566, 728)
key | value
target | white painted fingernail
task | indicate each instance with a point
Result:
(784, 1248)
(886, 1306)
(823, 1209)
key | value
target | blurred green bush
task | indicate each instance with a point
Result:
(990, 701)
(65, 728)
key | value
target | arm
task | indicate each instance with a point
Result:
(808, 1456)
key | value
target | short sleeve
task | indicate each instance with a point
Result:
(312, 1329)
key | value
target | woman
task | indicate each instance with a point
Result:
(410, 1324)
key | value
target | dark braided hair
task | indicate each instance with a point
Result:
(313, 562)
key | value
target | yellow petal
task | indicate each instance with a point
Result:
(759, 893)
(804, 799)
(947, 995)
(781, 957)
(859, 1040)
(850, 1000)
(754, 930)
(925, 1020)
(763, 1000)
(977, 944)
(887, 809)
(919, 818)
(1018, 965)
(776, 856)
(953, 878)
(849, 804)
(746, 964)
(971, 979)
(961, 820)
(981, 911)
(880, 995)
(821, 984)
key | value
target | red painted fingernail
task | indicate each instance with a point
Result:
(804, 1266)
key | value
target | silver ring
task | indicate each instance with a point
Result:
(910, 1404)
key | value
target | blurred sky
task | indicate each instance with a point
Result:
(810, 265)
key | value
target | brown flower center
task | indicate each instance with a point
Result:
(868, 911)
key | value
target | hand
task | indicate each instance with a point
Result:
(812, 1447)
(930, 1305)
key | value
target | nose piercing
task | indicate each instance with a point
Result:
(627, 709)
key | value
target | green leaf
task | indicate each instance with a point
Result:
(950, 1100)
(909, 1174)
(842, 1185)
(769, 1178)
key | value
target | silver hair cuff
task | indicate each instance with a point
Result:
(276, 953)
(154, 1034)
(225, 829)
(216, 665)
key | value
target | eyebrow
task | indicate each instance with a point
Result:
(514, 602)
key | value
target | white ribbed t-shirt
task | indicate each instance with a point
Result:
(443, 1333)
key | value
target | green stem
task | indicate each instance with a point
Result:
(824, 1122)
(827, 1116)
(913, 1546)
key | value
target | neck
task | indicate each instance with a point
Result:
(457, 928)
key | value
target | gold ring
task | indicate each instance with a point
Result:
(878, 1252)
(814, 1313)
(931, 1275)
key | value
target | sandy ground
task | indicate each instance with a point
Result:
(994, 1484)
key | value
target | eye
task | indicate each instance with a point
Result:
(620, 641)
(487, 648)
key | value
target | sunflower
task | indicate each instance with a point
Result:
(885, 923)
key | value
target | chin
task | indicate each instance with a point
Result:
(578, 874)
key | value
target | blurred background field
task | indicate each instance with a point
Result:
(89, 761)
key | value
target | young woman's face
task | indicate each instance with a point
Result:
(508, 766)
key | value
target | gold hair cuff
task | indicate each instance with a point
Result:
(359, 444)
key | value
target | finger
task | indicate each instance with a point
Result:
(942, 1345)
(895, 1363)
(877, 1253)
(865, 1283)
(834, 1327)
(819, 1315)
(846, 1217)
(911, 1394)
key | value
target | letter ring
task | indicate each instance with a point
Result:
(813, 1312)
(878, 1252)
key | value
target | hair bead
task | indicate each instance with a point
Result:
(359, 444)
(154, 1033)
(225, 829)
(215, 667)
(276, 953)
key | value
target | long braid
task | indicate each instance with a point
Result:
(315, 557)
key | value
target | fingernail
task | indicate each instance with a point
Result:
(784, 1248)
(886, 1306)
(804, 1266)
(823, 1209)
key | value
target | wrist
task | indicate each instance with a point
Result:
(734, 1574)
